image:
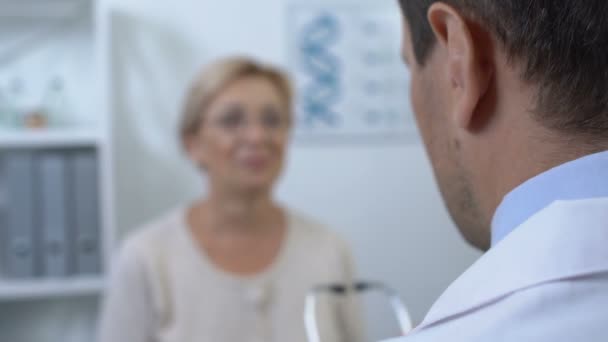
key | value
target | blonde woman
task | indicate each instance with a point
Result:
(234, 266)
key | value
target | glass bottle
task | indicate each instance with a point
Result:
(5, 110)
(27, 111)
(55, 103)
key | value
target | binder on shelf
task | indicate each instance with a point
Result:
(53, 207)
(3, 218)
(20, 215)
(87, 223)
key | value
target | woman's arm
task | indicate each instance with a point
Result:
(127, 311)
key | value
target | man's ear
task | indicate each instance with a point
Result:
(468, 71)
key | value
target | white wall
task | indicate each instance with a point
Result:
(382, 198)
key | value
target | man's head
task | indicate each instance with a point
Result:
(497, 86)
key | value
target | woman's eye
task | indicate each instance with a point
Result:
(272, 119)
(232, 119)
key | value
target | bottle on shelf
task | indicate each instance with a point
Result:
(27, 112)
(6, 113)
(10, 96)
(55, 103)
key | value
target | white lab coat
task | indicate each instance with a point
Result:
(546, 281)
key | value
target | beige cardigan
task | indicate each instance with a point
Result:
(163, 289)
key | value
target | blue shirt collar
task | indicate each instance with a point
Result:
(586, 177)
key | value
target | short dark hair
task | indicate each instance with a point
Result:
(562, 46)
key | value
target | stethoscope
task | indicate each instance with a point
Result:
(310, 318)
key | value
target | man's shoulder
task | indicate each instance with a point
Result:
(560, 311)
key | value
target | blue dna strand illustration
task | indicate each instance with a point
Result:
(323, 68)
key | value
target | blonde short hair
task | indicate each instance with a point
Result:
(213, 79)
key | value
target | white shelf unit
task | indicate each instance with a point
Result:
(12, 290)
(50, 288)
(45, 9)
(49, 138)
(94, 134)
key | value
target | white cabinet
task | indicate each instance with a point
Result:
(42, 41)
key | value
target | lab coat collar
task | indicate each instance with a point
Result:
(568, 239)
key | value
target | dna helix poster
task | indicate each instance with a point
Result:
(350, 81)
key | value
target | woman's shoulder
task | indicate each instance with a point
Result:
(155, 235)
(315, 243)
(313, 231)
